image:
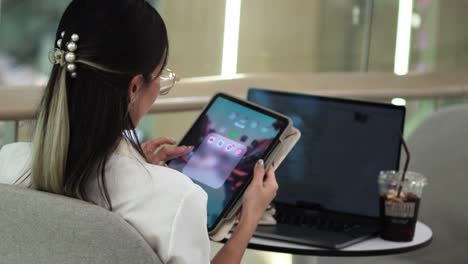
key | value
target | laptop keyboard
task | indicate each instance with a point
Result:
(318, 227)
(317, 220)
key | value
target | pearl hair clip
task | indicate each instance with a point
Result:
(68, 58)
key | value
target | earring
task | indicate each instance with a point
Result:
(132, 100)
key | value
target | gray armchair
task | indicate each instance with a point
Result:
(38, 227)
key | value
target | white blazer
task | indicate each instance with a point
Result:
(165, 206)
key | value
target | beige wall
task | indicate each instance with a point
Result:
(312, 35)
(279, 36)
(451, 51)
(341, 41)
(383, 36)
(273, 37)
(195, 30)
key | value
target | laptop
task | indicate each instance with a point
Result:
(328, 195)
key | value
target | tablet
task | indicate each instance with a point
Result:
(228, 137)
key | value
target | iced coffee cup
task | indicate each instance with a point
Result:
(399, 203)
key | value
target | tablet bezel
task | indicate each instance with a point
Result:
(268, 151)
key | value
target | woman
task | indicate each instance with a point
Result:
(108, 64)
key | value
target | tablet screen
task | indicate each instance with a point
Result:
(228, 138)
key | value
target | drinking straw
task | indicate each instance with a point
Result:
(405, 168)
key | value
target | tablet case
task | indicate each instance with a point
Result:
(286, 143)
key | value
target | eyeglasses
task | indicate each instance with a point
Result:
(167, 80)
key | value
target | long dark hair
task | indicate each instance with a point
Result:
(81, 120)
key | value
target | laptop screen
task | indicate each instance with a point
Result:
(344, 146)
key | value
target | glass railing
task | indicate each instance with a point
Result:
(162, 124)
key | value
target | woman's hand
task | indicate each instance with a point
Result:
(257, 197)
(156, 153)
(259, 194)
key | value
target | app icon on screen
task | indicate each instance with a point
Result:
(211, 140)
(220, 143)
(239, 125)
(239, 151)
(211, 164)
(229, 147)
(233, 115)
(233, 134)
(254, 124)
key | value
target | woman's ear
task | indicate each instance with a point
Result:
(134, 87)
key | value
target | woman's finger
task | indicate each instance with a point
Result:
(270, 173)
(154, 144)
(259, 172)
(169, 153)
(152, 157)
(270, 180)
